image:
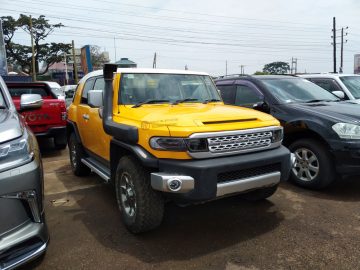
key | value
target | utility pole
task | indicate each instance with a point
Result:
(32, 52)
(226, 68)
(293, 69)
(334, 42)
(242, 69)
(154, 61)
(75, 65)
(342, 49)
(66, 70)
(115, 48)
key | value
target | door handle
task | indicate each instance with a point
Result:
(86, 116)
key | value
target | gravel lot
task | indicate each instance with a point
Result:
(294, 229)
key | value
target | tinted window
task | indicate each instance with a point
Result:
(327, 84)
(246, 96)
(88, 86)
(2, 101)
(18, 91)
(352, 83)
(228, 93)
(297, 90)
(136, 88)
(99, 84)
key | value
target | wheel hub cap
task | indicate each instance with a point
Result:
(128, 196)
(306, 167)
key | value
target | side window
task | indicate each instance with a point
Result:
(228, 93)
(99, 84)
(88, 86)
(246, 96)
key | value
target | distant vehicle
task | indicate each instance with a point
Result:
(23, 231)
(68, 87)
(345, 86)
(47, 121)
(322, 131)
(56, 89)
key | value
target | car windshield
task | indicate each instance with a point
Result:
(18, 91)
(296, 90)
(170, 88)
(57, 91)
(353, 84)
(2, 101)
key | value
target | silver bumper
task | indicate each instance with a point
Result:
(183, 184)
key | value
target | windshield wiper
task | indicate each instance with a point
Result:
(206, 101)
(184, 100)
(150, 101)
(319, 100)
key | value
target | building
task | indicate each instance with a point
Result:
(125, 63)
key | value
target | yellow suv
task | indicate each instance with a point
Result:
(166, 134)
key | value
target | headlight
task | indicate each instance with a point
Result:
(347, 131)
(178, 144)
(277, 135)
(16, 152)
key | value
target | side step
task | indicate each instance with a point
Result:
(97, 168)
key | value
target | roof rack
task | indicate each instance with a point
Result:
(232, 76)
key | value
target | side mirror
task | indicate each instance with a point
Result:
(339, 94)
(30, 101)
(95, 98)
(262, 106)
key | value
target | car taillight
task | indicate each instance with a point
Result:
(63, 116)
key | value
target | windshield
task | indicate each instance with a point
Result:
(297, 90)
(352, 83)
(2, 101)
(172, 88)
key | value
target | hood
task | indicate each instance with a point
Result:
(10, 125)
(343, 111)
(203, 116)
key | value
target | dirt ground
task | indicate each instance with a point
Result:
(294, 229)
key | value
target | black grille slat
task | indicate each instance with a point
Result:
(246, 173)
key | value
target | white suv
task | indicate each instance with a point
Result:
(348, 84)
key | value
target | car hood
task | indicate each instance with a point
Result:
(200, 117)
(10, 125)
(343, 111)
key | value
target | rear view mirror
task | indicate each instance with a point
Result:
(262, 106)
(95, 98)
(30, 101)
(339, 94)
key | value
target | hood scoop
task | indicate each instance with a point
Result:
(229, 121)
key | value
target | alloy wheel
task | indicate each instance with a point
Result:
(306, 167)
(127, 194)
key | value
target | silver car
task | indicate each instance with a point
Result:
(23, 231)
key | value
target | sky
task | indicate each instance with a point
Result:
(203, 35)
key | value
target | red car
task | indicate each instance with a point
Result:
(47, 121)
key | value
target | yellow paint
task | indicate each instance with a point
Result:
(180, 120)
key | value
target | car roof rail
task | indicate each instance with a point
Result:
(232, 76)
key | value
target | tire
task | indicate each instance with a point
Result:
(142, 208)
(322, 172)
(75, 154)
(60, 142)
(259, 194)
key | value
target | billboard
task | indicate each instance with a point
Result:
(357, 63)
(3, 64)
(86, 59)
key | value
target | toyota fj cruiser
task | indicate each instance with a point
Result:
(163, 134)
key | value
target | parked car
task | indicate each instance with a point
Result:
(23, 232)
(322, 131)
(56, 89)
(69, 94)
(47, 121)
(166, 135)
(345, 86)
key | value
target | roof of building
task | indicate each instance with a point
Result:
(125, 61)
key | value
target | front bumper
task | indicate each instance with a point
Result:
(208, 179)
(346, 157)
(23, 233)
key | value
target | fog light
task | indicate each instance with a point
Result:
(174, 184)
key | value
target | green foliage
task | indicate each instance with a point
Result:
(98, 58)
(46, 53)
(277, 68)
(261, 73)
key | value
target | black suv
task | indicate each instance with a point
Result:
(322, 131)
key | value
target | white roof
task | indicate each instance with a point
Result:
(326, 75)
(146, 71)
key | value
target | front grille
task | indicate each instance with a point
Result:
(246, 173)
(239, 142)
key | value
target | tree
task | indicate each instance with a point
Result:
(20, 55)
(277, 68)
(98, 58)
